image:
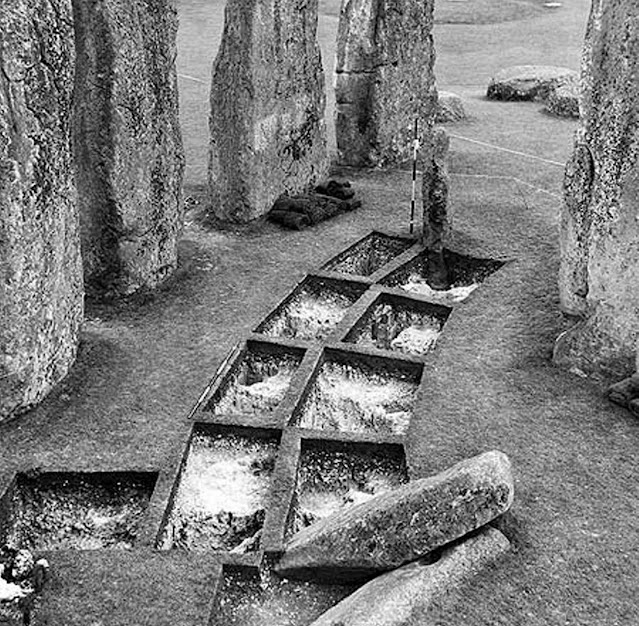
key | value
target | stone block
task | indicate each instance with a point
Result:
(563, 100)
(41, 293)
(528, 82)
(404, 595)
(268, 134)
(384, 79)
(127, 142)
(599, 227)
(402, 525)
(450, 108)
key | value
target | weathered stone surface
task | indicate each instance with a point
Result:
(404, 595)
(528, 82)
(563, 100)
(384, 79)
(41, 292)
(127, 142)
(268, 134)
(450, 108)
(599, 230)
(402, 525)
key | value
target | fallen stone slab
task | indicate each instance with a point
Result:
(450, 108)
(402, 525)
(528, 82)
(268, 133)
(563, 100)
(41, 293)
(128, 143)
(400, 597)
(314, 208)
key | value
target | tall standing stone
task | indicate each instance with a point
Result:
(127, 142)
(41, 291)
(384, 79)
(600, 229)
(268, 134)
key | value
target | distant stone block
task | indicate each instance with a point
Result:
(450, 108)
(41, 294)
(528, 82)
(127, 142)
(268, 134)
(402, 525)
(563, 100)
(401, 596)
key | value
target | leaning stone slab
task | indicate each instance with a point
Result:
(404, 595)
(599, 234)
(268, 134)
(563, 100)
(384, 79)
(402, 525)
(41, 294)
(450, 108)
(527, 82)
(127, 142)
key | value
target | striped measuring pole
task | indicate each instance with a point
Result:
(412, 199)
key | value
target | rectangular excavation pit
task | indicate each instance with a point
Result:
(334, 475)
(313, 310)
(369, 254)
(76, 511)
(465, 274)
(400, 324)
(248, 596)
(219, 502)
(359, 393)
(257, 381)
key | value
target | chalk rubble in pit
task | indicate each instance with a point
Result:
(398, 597)
(402, 525)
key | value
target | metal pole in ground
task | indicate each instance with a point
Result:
(412, 200)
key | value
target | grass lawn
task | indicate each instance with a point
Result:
(489, 384)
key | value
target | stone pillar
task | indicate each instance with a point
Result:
(41, 292)
(127, 142)
(268, 134)
(384, 79)
(600, 225)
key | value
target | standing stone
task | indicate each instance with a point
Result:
(127, 142)
(384, 79)
(600, 229)
(402, 525)
(268, 134)
(403, 596)
(41, 292)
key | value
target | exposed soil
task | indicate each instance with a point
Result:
(78, 512)
(334, 477)
(359, 398)
(250, 598)
(313, 311)
(221, 495)
(400, 327)
(368, 255)
(256, 384)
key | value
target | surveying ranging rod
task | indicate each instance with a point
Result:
(412, 199)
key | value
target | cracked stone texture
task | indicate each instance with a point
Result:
(268, 134)
(41, 293)
(528, 82)
(404, 595)
(127, 142)
(402, 525)
(599, 222)
(384, 79)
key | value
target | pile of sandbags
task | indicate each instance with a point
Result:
(302, 210)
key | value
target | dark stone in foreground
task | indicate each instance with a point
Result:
(127, 142)
(528, 82)
(268, 134)
(399, 597)
(41, 294)
(402, 525)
